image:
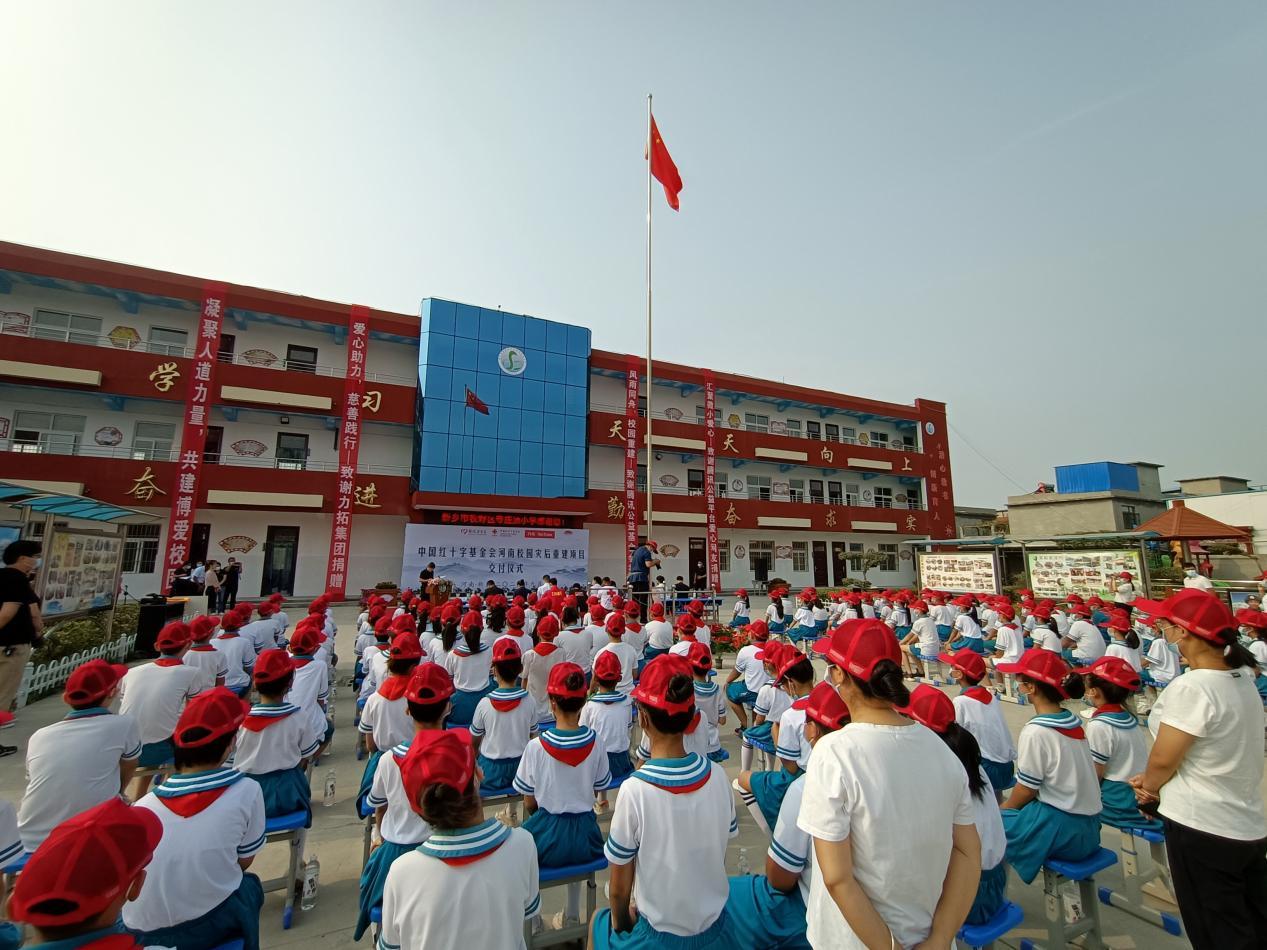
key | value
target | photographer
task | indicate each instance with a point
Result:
(21, 623)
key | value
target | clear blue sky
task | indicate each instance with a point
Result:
(1050, 216)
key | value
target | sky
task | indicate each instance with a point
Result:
(1052, 217)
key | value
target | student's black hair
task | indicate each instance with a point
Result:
(209, 754)
(1234, 655)
(401, 667)
(965, 678)
(744, 600)
(472, 637)
(446, 808)
(903, 616)
(885, 683)
(607, 684)
(964, 745)
(1132, 639)
(278, 688)
(509, 670)
(496, 619)
(802, 672)
(437, 625)
(59, 906)
(1073, 685)
(571, 704)
(778, 604)
(1259, 633)
(1112, 692)
(571, 616)
(680, 689)
(449, 635)
(426, 712)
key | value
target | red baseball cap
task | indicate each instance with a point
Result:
(471, 621)
(919, 605)
(429, 683)
(272, 666)
(1126, 575)
(405, 623)
(856, 646)
(437, 757)
(771, 651)
(515, 617)
(696, 607)
(607, 667)
(382, 627)
(208, 716)
(615, 624)
(1199, 612)
(758, 630)
(450, 613)
(1081, 610)
(1041, 613)
(557, 685)
(968, 662)
(931, 707)
(826, 707)
(506, 648)
(653, 688)
(201, 628)
(92, 682)
(305, 640)
(632, 610)
(268, 607)
(598, 613)
(686, 624)
(474, 603)
(548, 627)
(1251, 618)
(1006, 611)
(657, 609)
(85, 864)
(788, 658)
(405, 646)
(1041, 665)
(700, 657)
(173, 637)
(1119, 622)
(1114, 670)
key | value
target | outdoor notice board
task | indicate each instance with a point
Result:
(1088, 573)
(959, 573)
(80, 572)
(471, 556)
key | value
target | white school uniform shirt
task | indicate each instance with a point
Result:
(792, 743)
(598, 639)
(1058, 766)
(281, 744)
(505, 733)
(1088, 641)
(1163, 662)
(364, 639)
(629, 658)
(430, 903)
(989, 619)
(869, 783)
(610, 715)
(989, 821)
(659, 634)
(537, 667)
(558, 787)
(521, 639)
(804, 617)
(752, 669)
(967, 627)
(195, 866)
(636, 639)
(696, 740)
(790, 847)
(704, 635)
(575, 645)
(1259, 649)
(400, 824)
(985, 721)
(261, 633)
(489, 636)
(1200, 582)
(819, 614)
(740, 611)
(10, 843)
(239, 656)
(1117, 743)
(942, 615)
(1011, 641)
(72, 766)
(155, 696)
(868, 610)
(710, 700)
(675, 837)
(469, 670)
(309, 690)
(929, 643)
(1061, 620)
(210, 664)
(1047, 638)
(387, 720)
(772, 615)
(1216, 789)
(1119, 649)
(374, 663)
(1125, 593)
(771, 702)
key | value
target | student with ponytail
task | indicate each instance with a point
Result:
(1117, 742)
(1124, 641)
(882, 781)
(470, 664)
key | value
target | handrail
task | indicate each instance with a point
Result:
(744, 496)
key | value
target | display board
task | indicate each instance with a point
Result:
(959, 573)
(471, 556)
(80, 572)
(1088, 573)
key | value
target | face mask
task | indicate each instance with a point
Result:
(1190, 573)
(39, 561)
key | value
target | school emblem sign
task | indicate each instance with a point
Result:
(512, 361)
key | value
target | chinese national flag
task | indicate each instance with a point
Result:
(662, 167)
(475, 402)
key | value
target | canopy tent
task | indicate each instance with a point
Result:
(69, 506)
(1181, 523)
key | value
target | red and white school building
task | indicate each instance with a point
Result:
(301, 436)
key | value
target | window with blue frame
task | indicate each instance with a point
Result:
(532, 374)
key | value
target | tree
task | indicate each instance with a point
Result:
(871, 559)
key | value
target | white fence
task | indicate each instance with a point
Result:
(48, 677)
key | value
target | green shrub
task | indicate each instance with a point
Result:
(125, 619)
(70, 637)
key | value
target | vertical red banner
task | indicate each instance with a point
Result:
(193, 439)
(631, 463)
(710, 480)
(349, 450)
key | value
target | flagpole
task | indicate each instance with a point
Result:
(650, 451)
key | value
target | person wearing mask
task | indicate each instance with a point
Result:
(21, 624)
(1204, 775)
(211, 586)
(229, 585)
(1124, 594)
(644, 558)
(1194, 579)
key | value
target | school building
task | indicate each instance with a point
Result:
(301, 435)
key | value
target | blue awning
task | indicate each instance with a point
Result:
(69, 506)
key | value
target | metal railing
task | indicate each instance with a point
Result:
(793, 498)
(279, 363)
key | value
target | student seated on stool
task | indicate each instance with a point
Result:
(154, 694)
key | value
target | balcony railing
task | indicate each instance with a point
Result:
(762, 495)
(187, 352)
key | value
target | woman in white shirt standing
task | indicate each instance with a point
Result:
(896, 851)
(1125, 594)
(1204, 775)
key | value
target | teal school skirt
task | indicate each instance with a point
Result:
(768, 788)
(761, 916)
(565, 839)
(1002, 775)
(1121, 809)
(1038, 832)
(718, 936)
(237, 917)
(991, 895)
(498, 773)
(373, 878)
(286, 791)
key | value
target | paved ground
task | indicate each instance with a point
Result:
(336, 839)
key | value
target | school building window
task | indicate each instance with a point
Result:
(301, 358)
(851, 494)
(66, 327)
(755, 422)
(168, 342)
(794, 428)
(880, 440)
(813, 430)
(800, 555)
(833, 432)
(1130, 517)
(759, 487)
(700, 416)
(816, 491)
(153, 440)
(723, 555)
(796, 489)
(761, 558)
(834, 497)
(849, 435)
(855, 556)
(140, 548)
(890, 557)
(57, 433)
(884, 497)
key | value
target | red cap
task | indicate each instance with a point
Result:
(429, 683)
(686, 625)
(592, 600)
(272, 666)
(233, 620)
(616, 625)
(1199, 612)
(826, 707)
(758, 630)
(437, 757)
(967, 662)
(268, 607)
(1080, 610)
(1115, 670)
(383, 627)
(208, 716)
(515, 617)
(506, 649)
(1119, 622)
(405, 646)
(405, 623)
(632, 610)
(548, 627)
(695, 608)
(771, 651)
(1006, 611)
(1041, 613)
(652, 689)
(92, 682)
(1041, 665)
(497, 600)
(618, 602)
(475, 603)
(856, 646)
(789, 657)
(700, 657)
(201, 628)
(607, 667)
(741, 592)
(305, 641)
(1126, 576)
(450, 613)
(1251, 618)
(809, 594)
(85, 864)
(173, 637)
(657, 609)
(919, 605)
(471, 621)
(930, 706)
(557, 686)
(598, 613)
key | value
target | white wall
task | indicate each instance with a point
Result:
(1238, 508)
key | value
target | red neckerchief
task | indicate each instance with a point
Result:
(112, 942)
(979, 693)
(632, 627)
(472, 858)
(802, 703)
(394, 687)
(202, 648)
(301, 661)
(169, 661)
(1074, 733)
(228, 635)
(545, 648)
(572, 755)
(694, 723)
(504, 705)
(1108, 708)
(188, 805)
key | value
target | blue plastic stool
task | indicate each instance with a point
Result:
(288, 828)
(1055, 874)
(376, 914)
(232, 945)
(766, 749)
(366, 814)
(984, 935)
(1133, 880)
(558, 877)
(617, 781)
(508, 797)
(17, 866)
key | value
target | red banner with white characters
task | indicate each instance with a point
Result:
(349, 450)
(710, 479)
(193, 438)
(631, 462)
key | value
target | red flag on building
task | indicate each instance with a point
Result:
(662, 167)
(475, 402)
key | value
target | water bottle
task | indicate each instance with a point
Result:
(312, 878)
(743, 867)
(328, 799)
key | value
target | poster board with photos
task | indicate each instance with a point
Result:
(1057, 574)
(959, 573)
(80, 572)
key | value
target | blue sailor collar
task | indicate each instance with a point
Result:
(188, 783)
(1120, 719)
(88, 713)
(705, 689)
(468, 844)
(610, 698)
(676, 775)
(508, 692)
(1064, 722)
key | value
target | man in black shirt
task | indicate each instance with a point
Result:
(21, 623)
(229, 586)
(426, 574)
